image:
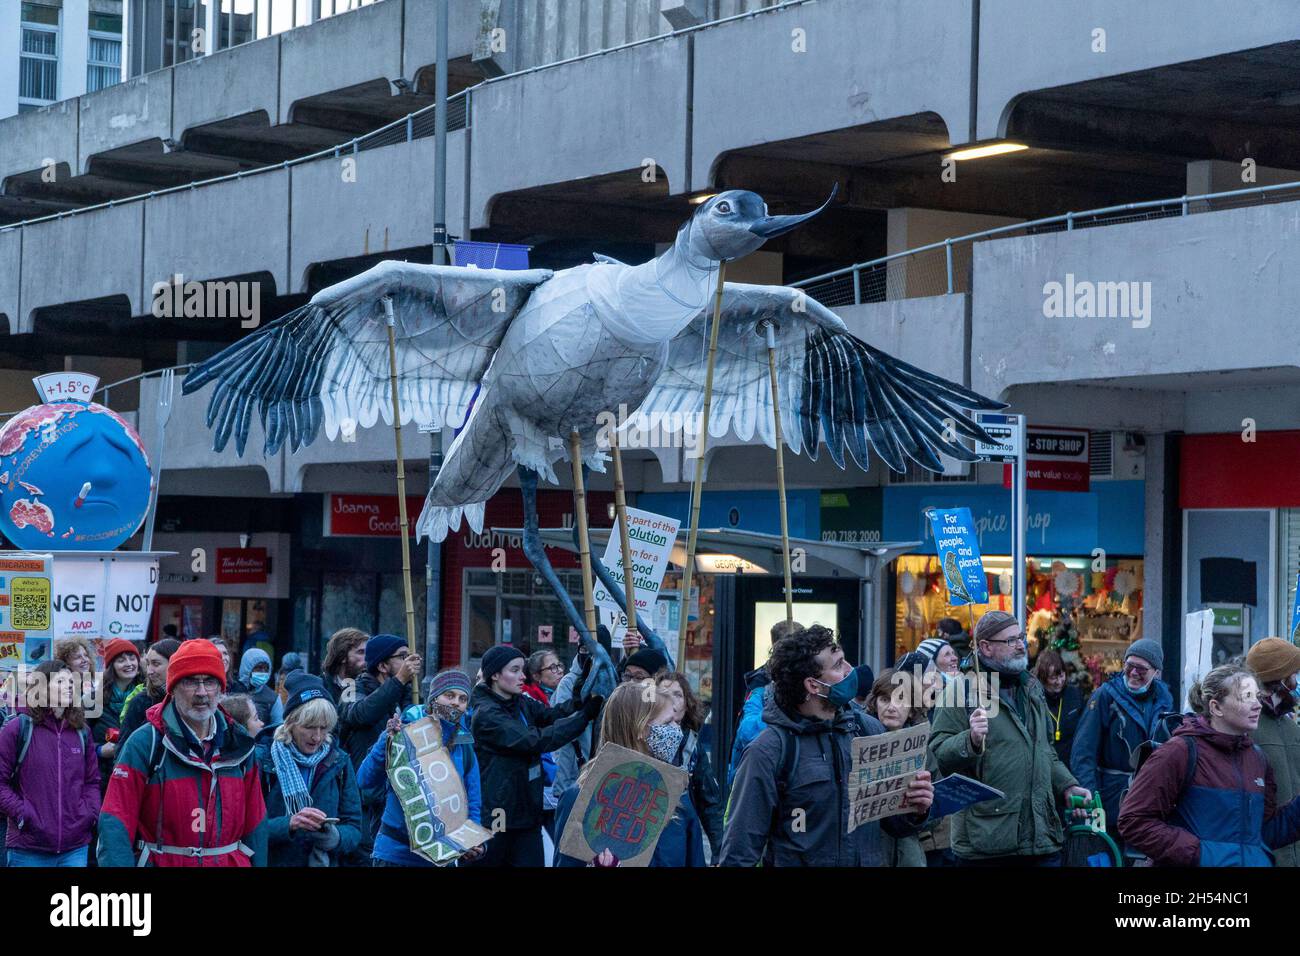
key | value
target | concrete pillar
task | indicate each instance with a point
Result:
(11, 37)
(1153, 541)
(681, 14)
(926, 274)
(74, 48)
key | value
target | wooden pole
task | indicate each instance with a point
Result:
(403, 525)
(620, 506)
(688, 569)
(584, 546)
(780, 471)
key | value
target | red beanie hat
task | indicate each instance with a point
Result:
(116, 648)
(195, 658)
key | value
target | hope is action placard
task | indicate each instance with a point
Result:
(882, 768)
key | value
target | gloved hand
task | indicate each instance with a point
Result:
(326, 838)
(591, 707)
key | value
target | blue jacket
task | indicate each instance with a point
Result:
(333, 789)
(1114, 724)
(681, 844)
(751, 725)
(374, 774)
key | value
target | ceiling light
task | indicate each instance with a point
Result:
(988, 149)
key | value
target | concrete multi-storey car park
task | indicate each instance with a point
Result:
(570, 150)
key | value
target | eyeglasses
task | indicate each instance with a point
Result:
(557, 666)
(1010, 640)
(1137, 670)
(197, 683)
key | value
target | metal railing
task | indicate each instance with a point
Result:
(106, 390)
(942, 268)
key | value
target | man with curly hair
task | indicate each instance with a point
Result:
(790, 803)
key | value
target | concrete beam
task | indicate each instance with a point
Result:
(337, 52)
(233, 82)
(130, 112)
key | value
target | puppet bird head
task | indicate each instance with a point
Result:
(735, 223)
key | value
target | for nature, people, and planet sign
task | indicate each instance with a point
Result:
(625, 802)
(432, 794)
(958, 550)
(881, 769)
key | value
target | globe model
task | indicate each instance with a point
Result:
(74, 476)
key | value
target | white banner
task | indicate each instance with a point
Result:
(651, 537)
(1198, 649)
(104, 595)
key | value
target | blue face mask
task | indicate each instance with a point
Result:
(259, 679)
(843, 691)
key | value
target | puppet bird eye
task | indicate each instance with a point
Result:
(723, 207)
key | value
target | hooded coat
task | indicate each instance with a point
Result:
(54, 805)
(221, 786)
(763, 825)
(1114, 724)
(1226, 814)
(270, 709)
(510, 737)
(1278, 736)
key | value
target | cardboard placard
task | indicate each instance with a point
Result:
(626, 801)
(422, 774)
(651, 538)
(882, 768)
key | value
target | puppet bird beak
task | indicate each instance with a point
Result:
(771, 226)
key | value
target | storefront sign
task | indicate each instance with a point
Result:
(959, 555)
(1111, 516)
(746, 510)
(25, 612)
(432, 794)
(852, 515)
(242, 565)
(624, 806)
(651, 537)
(1234, 470)
(103, 595)
(1057, 460)
(368, 516)
(882, 768)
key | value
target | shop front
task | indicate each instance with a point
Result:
(1240, 499)
(224, 583)
(1084, 566)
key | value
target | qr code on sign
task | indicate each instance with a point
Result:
(30, 604)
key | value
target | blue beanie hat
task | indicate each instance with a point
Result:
(302, 687)
(380, 648)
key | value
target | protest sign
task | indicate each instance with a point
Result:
(956, 792)
(651, 538)
(625, 802)
(104, 594)
(432, 794)
(959, 554)
(25, 616)
(882, 767)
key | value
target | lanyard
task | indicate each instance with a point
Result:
(1059, 704)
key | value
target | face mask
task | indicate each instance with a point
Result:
(259, 679)
(448, 712)
(843, 691)
(664, 741)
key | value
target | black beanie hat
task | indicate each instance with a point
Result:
(302, 687)
(649, 660)
(496, 659)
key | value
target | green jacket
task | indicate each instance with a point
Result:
(1018, 759)
(1279, 738)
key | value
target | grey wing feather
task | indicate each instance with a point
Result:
(832, 386)
(327, 362)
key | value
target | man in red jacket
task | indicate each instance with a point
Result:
(186, 791)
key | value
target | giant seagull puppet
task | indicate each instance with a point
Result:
(519, 359)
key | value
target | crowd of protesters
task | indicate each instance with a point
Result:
(181, 756)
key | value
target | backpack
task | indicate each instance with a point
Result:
(25, 728)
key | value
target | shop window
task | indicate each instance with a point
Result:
(516, 607)
(1089, 616)
(1288, 536)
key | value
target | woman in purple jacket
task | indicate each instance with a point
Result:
(51, 793)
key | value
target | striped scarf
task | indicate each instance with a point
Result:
(288, 759)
